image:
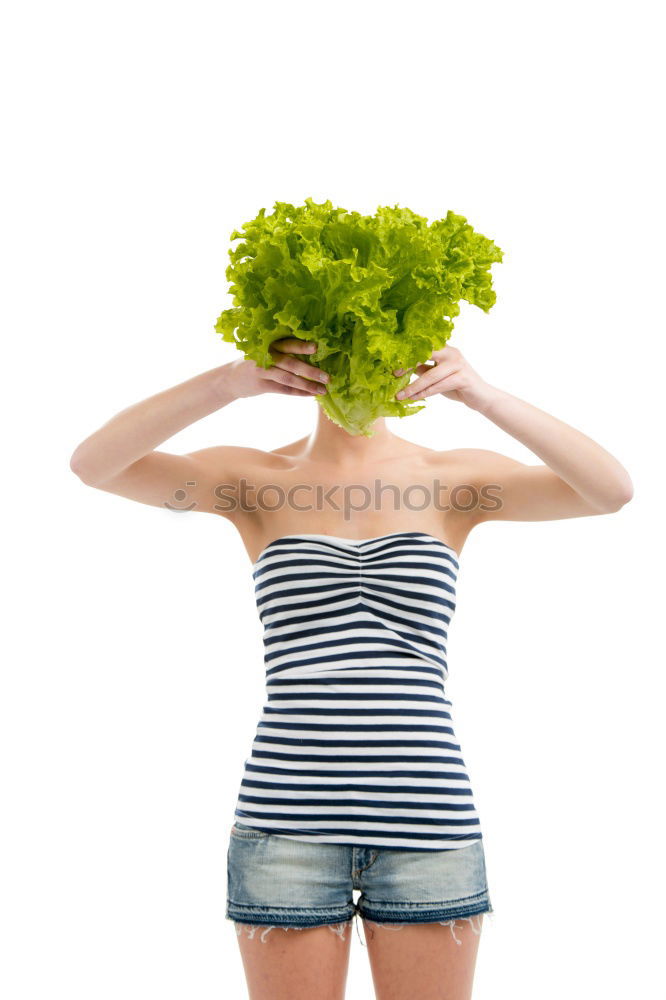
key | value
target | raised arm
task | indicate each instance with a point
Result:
(578, 476)
(121, 458)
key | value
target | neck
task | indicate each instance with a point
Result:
(330, 442)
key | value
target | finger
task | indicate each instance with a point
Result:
(290, 390)
(419, 369)
(297, 367)
(448, 384)
(286, 378)
(293, 345)
(298, 381)
(435, 374)
(448, 353)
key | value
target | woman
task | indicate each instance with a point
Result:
(356, 780)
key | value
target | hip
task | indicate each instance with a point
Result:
(283, 881)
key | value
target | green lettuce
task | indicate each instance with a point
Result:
(376, 292)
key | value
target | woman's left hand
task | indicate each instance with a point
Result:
(451, 376)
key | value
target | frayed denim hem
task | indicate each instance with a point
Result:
(339, 928)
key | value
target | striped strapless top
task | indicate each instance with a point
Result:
(355, 743)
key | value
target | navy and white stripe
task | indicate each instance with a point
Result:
(355, 744)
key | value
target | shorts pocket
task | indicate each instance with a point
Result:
(247, 832)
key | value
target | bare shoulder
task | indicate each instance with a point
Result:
(235, 460)
(504, 489)
(472, 465)
(242, 455)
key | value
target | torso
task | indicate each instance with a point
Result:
(356, 743)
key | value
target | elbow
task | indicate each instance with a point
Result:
(621, 495)
(78, 466)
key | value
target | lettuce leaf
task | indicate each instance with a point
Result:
(376, 292)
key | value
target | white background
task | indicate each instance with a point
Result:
(139, 135)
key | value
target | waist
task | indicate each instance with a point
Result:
(286, 662)
(415, 682)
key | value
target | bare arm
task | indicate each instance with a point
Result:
(121, 458)
(578, 476)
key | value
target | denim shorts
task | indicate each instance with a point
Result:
(275, 881)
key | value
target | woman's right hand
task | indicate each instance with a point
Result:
(286, 375)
